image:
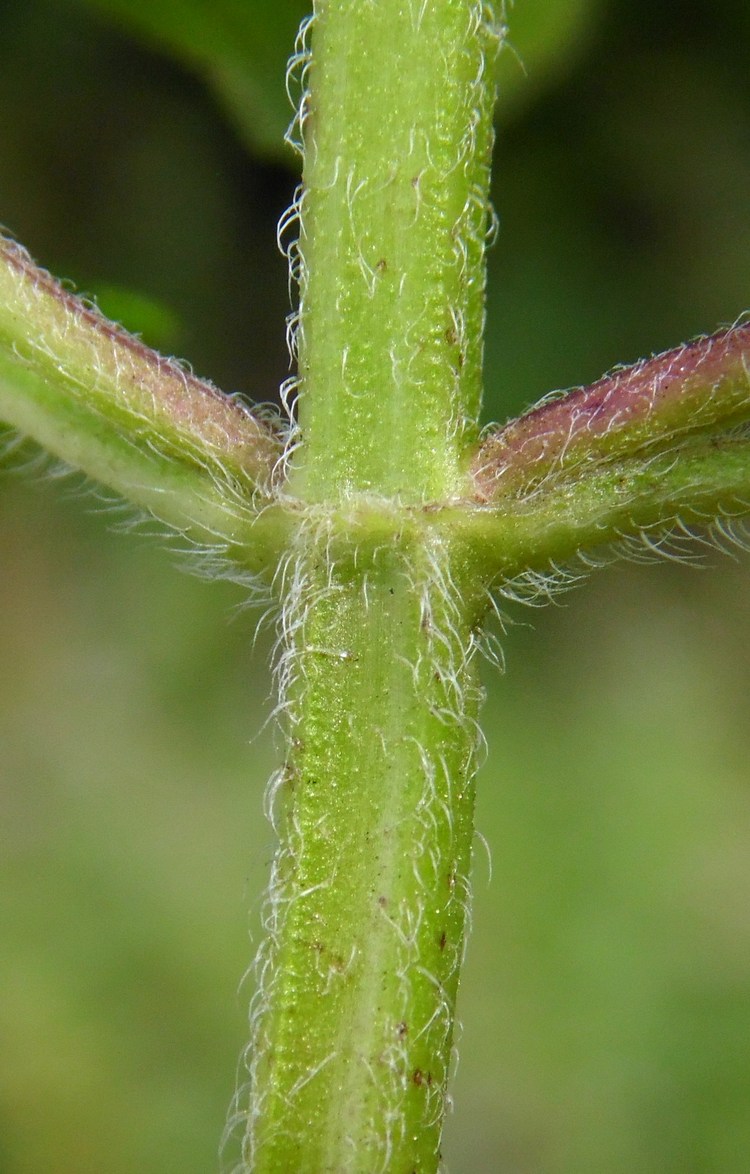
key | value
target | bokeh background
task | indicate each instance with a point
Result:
(606, 999)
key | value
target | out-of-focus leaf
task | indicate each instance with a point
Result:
(543, 38)
(239, 47)
(153, 320)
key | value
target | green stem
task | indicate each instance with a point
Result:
(397, 130)
(353, 1029)
(389, 531)
(702, 485)
(138, 423)
(367, 904)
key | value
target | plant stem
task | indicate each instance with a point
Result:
(391, 526)
(397, 128)
(143, 425)
(354, 1021)
(694, 390)
(371, 881)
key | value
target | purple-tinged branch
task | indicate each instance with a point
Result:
(101, 367)
(139, 424)
(700, 387)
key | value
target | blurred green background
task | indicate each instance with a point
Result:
(606, 1000)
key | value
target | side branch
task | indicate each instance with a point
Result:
(654, 406)
(703, 485)
(140, 424)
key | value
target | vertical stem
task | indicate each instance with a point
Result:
(397, 130)
(354, 1019)
(368, 899)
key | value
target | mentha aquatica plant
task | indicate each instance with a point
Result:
(382, 525)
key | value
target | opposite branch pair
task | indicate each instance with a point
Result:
(639, 449)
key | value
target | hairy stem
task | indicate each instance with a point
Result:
(657, 404)
(367, 904)
(388, 533)
(397, 133)
(136, 422)
(353, 1028)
